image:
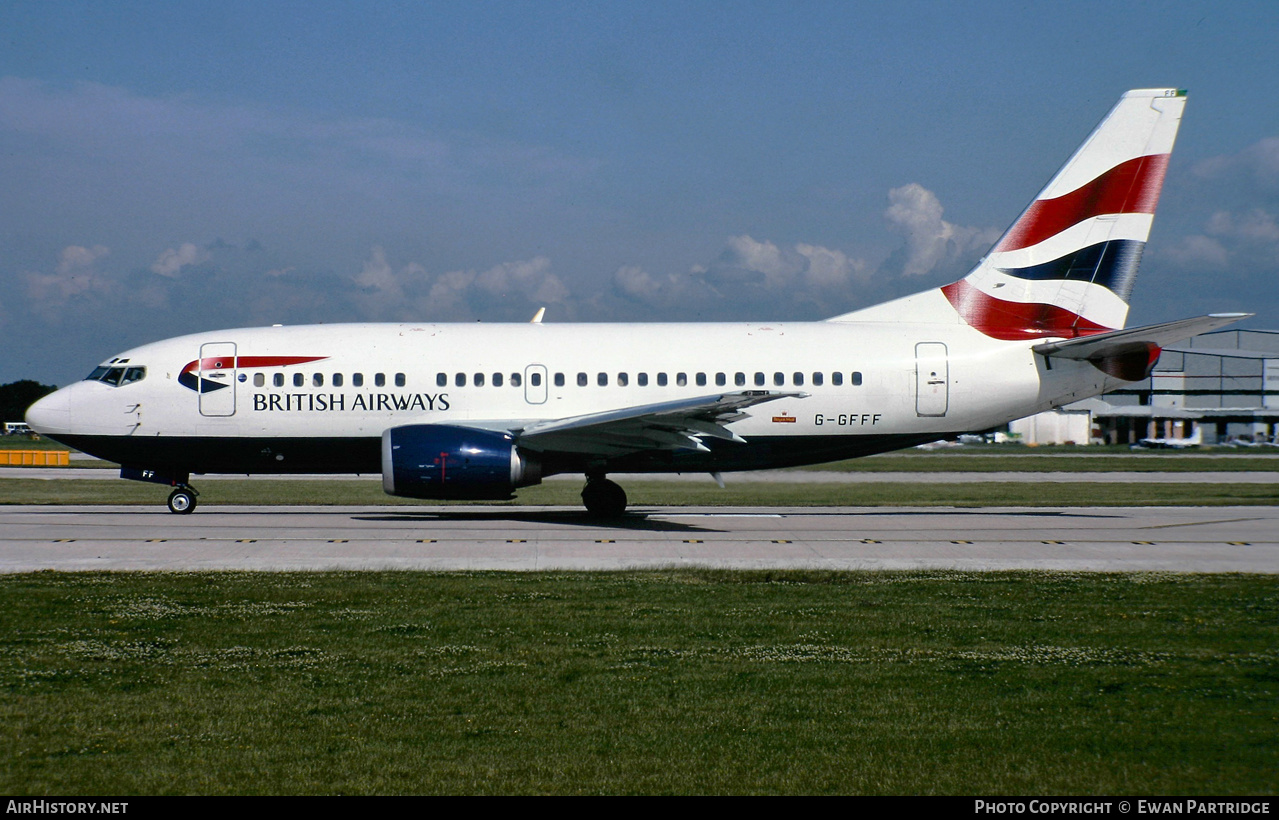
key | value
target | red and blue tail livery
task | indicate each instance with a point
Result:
(1066, 267)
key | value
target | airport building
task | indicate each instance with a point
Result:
(1218, 388)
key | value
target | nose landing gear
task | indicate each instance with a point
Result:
(182, 500)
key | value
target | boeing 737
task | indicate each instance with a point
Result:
(477, 411)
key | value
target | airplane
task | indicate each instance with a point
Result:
(478, 411)
(1171, 443)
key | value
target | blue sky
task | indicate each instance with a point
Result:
(176, 167)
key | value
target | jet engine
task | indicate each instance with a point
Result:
(443, 461)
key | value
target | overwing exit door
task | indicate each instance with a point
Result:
(535, 388)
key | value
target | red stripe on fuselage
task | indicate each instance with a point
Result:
(1016, 320)
(1131, 187)
(224, 362)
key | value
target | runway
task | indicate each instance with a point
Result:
(1102, 539)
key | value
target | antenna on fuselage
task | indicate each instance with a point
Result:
(537, 317)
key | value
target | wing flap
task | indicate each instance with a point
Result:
(672, 425)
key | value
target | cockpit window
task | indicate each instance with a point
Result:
(117, 376)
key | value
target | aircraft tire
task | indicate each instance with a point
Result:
(182, 501)
(604, 498)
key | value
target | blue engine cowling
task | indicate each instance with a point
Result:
(443, 461)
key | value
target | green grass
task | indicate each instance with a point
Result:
(659, 493)
(657, 682)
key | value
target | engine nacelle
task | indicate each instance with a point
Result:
(443, 461)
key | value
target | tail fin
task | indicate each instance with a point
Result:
(1066, 266)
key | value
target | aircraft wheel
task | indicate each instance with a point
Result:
(604, 498)
(182, 501)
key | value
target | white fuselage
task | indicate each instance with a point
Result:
(894, 382)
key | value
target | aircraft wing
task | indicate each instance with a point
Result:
(1119, 342)
(671, 425)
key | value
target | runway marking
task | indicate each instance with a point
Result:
(338, 541)
(1239, 543)
(246, 540)
(1145, 543)
(605, 541)
(1052, 542)
(780, 541)
(1198, 523)
(426, 540)
(719, 515)
(871, 541)
(961, 542)
(692, 540)
(156, 540)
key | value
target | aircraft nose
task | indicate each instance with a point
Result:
(52, 414)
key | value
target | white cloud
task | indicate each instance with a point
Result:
(1257, 164)
(75, 274)
(931, 242)
(75, 257)
(171, 262)
(1254, 226)
(1196, 253)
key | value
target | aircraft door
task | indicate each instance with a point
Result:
(217, 374)
(535, 387)
(932, 379)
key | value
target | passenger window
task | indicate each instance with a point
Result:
(399, 379)
(497, 380)
(581, 380)
(720, 380)
(759, 379)
(379, 379)
(278, 379)
(357, 379)
(298, 380)
(441, 380)
(661, 379)
(479, 379)
(516, 380)
(535, 379)
(559, 379)
(259, 379)
(601, 379)
(701, 379)
(459, 380)
(857, 378)
(817, 379)
(681, 379)
(623, 379)
(337, 380)
(797, 379)
(837, 379)
(779, 379)
(317, 380)
(641, 379)
(739, 379)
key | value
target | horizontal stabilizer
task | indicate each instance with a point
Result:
(1131, 354)
(1119, 341)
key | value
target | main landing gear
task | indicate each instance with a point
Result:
(603, 498)
(182, 500)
